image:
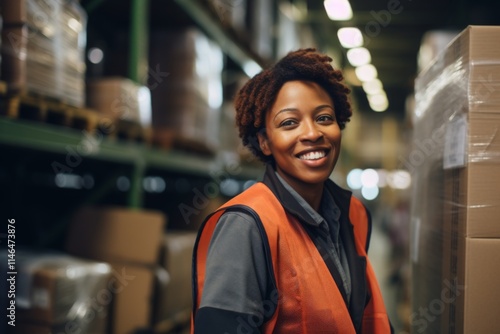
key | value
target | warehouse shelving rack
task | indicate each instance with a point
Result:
(21, 139)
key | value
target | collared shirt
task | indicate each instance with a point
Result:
(327, 219)
(236, 277)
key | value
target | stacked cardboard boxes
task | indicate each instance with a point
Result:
(43, 48)
(186, 87)
(174, 301)
(120, 98)
(455, 241)
(123, 105)
(130, 241)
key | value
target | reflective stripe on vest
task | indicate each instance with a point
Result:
(307, 299)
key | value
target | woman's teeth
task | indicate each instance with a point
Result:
(312, 155)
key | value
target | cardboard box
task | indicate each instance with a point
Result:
(454, 164)
(14, 48)
(132, 307)
(115, 234)
(175, 297)
(60, 291)
(120, 98)
(186, 85)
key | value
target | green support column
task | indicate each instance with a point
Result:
(135, 194)
(138, 72)
(139, 37)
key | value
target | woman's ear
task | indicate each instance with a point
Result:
(263, 142)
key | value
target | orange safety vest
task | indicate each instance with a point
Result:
(308, 299)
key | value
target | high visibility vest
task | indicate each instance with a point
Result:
(307, 299)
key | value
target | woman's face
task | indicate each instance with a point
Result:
(302, 134)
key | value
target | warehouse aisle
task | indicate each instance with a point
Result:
(380, 257)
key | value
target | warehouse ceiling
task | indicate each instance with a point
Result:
(393, 30)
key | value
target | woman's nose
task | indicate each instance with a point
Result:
(310, 132)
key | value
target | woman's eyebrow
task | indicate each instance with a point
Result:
(296, 110)
(286, 110)
(323, 106)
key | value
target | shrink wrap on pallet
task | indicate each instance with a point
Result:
(186, 87)
(43, 48)
(455, 165)
(56, 292)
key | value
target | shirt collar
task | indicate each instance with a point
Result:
(329, 212)
(317, 219)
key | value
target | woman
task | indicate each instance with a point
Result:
(288, 255)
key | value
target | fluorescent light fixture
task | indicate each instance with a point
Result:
(359, 56)
(378, 102)
(370, 193)
(366, 72)
(354, 178)
(350, 37)
(399, 179)
(95, 55)
(251, 68)
(373, 86)
(338, 10)
(369, 178)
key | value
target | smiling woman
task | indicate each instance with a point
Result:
(289, 254)
(302, 137)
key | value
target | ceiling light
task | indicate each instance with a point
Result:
(350, 37)
(359, 56)
(354, 178)
(373, 86)
(366, 72)
(399, 179)
(369, 178)
(338, 10)
(378, 102)
(251, 68)
(370, 193)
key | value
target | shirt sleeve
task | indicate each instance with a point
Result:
(236, 277)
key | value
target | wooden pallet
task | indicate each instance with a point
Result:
(48, 110)
(36, 107)
(132, 131)
(169, 139)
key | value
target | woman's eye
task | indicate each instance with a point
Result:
(288, 122)
(325, 118)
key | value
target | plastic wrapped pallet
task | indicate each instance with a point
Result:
(186, 87)
(43, 47)
(130, 241)
(61, 292)
(455, 239)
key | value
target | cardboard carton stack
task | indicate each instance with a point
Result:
(123, 104)
(120, 98)
(186, 87)
(61, 293)
(43, 48)
(130, 241)
(455, 240)
(174, 299)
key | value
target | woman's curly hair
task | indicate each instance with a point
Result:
(258, 95)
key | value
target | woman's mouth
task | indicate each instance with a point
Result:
(313, 155)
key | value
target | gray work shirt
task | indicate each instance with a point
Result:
(236, 275)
